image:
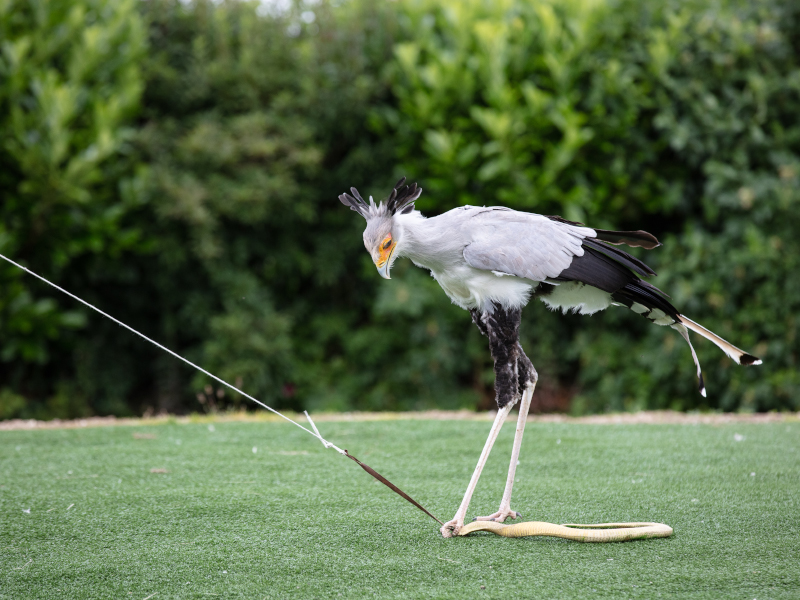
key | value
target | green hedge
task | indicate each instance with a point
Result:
(178, 165)
(69, 86)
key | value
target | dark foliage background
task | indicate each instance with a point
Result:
(177, 164)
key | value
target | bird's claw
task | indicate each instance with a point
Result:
(451, 528)
(500, 516)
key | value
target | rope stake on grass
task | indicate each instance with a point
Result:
(390, 485)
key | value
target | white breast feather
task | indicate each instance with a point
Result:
(471, 288)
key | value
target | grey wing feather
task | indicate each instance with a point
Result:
(523, 244)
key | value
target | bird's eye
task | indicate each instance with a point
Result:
(387, 242)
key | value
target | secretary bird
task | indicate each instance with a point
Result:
(491, 261)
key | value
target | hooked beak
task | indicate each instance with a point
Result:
(384, 262)
(384, 270)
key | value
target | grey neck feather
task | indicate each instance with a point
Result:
(427, 242)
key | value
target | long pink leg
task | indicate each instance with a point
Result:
(452, 527)
(505, 504)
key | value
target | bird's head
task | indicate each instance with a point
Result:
(382, 235)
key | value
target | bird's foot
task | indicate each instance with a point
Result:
(451, 528)
(500, 516)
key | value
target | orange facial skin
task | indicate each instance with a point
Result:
(386, 247)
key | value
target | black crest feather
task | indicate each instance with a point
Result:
(401, 200)
(355, 202)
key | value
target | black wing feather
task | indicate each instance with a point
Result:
(639, 238)
(631, 262)
(615, 272)
(598, 270)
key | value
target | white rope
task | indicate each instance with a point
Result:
(315, 433)
(319, 435)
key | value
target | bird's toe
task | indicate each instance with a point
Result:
(451, 528)
(500, 516)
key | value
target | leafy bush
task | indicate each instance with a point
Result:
(191, 192)
(69, 84)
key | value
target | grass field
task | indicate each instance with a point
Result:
(262, 510)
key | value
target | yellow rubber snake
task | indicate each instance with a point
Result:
(601, 532)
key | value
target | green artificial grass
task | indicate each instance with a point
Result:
(291, 519)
